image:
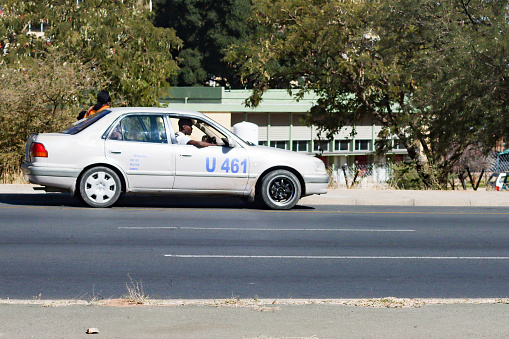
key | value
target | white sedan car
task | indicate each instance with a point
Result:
(134, 150)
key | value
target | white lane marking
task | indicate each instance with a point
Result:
(325, 257)
(262, 229)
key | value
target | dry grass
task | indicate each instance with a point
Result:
(13, 177)
(139, 298)
(135, 294)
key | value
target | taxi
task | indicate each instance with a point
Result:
(135, 150)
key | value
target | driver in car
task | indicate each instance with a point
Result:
(185, 129)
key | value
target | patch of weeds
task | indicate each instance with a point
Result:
(388, 302)
(255, 304)
(135, 293)
(95, 299)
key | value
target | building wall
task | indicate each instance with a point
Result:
(278, 118)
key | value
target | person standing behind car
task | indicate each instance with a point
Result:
(103, 102)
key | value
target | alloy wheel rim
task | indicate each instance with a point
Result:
(281, 190)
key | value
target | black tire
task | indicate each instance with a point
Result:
(280, 190)
(100, 187)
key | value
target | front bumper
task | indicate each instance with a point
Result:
(316, 183)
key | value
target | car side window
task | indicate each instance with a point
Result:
(140, 128)
(201, 131)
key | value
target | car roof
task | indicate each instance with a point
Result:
(160, 110)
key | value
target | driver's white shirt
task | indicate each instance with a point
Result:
(182, 139)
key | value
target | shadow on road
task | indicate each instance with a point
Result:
(135, 201)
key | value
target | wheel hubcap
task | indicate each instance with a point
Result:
(281, 190)
(100, 187)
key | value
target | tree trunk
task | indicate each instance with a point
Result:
(471, 179)
(479, 180)
(354, 178)
(344, 173)
(461, 176)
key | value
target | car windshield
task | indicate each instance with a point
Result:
(80, 125)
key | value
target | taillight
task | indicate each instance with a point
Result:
(38, 150)
(498, 188)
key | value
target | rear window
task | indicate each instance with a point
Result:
(80, 125)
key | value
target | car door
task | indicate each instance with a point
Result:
(212, 168)
(138, 144)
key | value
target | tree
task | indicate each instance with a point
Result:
(207, 28)
(433, 74)
(85, 47)
(42, 99)
(114, 37)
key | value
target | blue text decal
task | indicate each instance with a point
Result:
(233, 166)
(213, 168)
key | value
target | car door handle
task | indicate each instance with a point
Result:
(185, 155)
(115, 152)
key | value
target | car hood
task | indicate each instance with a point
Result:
(282, 153)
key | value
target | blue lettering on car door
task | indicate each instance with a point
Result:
(235, 165)
(213, 168)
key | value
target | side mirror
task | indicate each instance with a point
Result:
(230, 142)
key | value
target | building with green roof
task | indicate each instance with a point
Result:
(278, 118)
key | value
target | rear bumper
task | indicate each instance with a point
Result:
(32, 170)
(50, 176)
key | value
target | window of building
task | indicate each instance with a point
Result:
(342, 145)
(278, 144)
(398, 144)
(259, 119)
(383, 144)
(297, 119)
(321, 145)
(279, 119)
(236, 118)
(262, 143)
(300, 145)
(362, 145)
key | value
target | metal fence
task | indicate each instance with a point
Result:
(380, 176)
(500, 163)
(365, 176)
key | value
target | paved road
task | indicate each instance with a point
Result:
(44, 236)
(224, 249)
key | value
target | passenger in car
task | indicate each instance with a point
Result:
(185, 129)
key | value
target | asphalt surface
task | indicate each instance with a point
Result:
(368, 318)
(203, 253)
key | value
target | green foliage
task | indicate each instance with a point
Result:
(405, 177)
(86, 47)
(42, 99)
(114, 37)
(207, 28)
(433, 74)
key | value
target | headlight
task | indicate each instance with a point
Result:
(319, 166)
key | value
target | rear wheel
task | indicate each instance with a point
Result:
(100, 187)
(280, 190)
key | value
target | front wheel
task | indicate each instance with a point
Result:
(100, 187)
(280, 190)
